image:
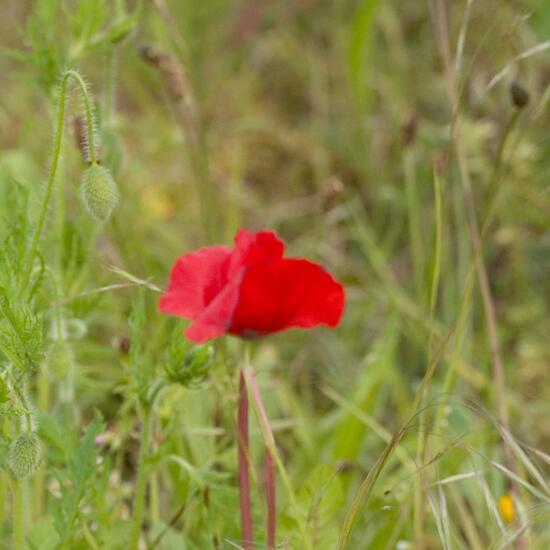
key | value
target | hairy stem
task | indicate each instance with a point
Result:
(58, 140)
(269, 441)
(39, 480)
(244, 466)
(18, 515)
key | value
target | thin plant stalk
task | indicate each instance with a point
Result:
(40, 474)
(419, 509)
(89, 537)
(244, 465)
(477, 235)
(58, 140)
(18, 515)
(271, 497)
(414, 217)
(270, 487)
(269, 440)
(141, 483)
(154, 498)
(367, 485)
(3, 493)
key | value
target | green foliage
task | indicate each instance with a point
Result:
(187, 364)
(141, 362)
(4, 392)
(77, 481)
(320, 498)
(333, 124)
(14, 231)
(20, 334)
(42, 34)
(58, 438)
(44, 536)
(87, 18)
(9, 406)
(59, 33)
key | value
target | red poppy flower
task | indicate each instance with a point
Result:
(250, 290)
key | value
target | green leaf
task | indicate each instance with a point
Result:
(77, 480)
(87, 18)
(43, 535)
(117, 32)
(320, 500)
(20, 334)
(40, 33)
(54, 434)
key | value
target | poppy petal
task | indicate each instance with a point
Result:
(216, 318)
(287, 293)
(254, 247)
(196, 279)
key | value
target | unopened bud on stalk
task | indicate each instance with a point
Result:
(24, 455)
(189, 367)
(99, 192)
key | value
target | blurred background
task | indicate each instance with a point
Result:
(376, 138)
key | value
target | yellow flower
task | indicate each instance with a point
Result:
(507, 508)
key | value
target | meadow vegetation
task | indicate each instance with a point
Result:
(403, 145)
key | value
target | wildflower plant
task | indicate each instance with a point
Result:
(161, 384)
(251, 291)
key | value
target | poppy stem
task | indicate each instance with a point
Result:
(269, 453)
(244, 477)
(271, 498)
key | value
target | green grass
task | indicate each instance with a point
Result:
(380, 139)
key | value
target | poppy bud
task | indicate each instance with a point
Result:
(520, 96)
(189, 366)
(24, 455)
(99, 192)
(80, 130)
